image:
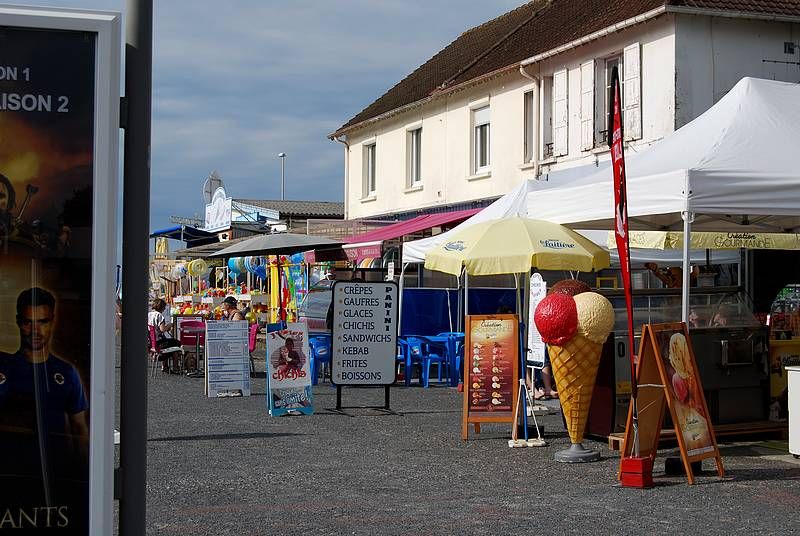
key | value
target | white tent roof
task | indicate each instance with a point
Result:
(737, 163)
(514, 203)
(737, 167)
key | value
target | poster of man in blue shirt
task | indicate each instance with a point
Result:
(43, 407)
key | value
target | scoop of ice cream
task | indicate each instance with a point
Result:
(679, 355)
(680, 388)
(570, 287)
(595, 316)
(556, 318)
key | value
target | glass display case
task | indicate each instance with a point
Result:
(729, 342)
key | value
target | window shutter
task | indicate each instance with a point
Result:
(587, 105)
(632, 100)
(560, 114)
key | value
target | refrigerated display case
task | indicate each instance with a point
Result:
(730, 345)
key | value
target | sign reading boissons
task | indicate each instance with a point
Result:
(364, 333)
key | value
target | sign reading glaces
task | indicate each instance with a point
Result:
(364, 333)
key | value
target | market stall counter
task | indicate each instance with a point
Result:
(731, 347)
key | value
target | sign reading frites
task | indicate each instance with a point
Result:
(364, 333)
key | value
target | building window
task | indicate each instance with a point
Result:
(481, 139)
(414, 152)
(603, 94)
(369, 170)
(529, 126)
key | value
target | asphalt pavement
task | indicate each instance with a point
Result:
(225, 467)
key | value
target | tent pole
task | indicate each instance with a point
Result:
(400, 298)
(688, 218)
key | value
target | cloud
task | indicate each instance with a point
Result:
(236, 83)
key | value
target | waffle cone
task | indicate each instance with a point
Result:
(575, 367)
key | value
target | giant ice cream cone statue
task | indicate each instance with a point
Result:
(575, 328)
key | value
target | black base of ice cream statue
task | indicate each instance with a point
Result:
(577, 453)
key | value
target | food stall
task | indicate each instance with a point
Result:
(731, 346)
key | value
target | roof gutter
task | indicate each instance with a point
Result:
(731, 14)
(638, 19)
(421, 102)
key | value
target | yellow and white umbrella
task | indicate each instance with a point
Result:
(515, 245)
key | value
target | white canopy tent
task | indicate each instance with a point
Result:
(734, 168)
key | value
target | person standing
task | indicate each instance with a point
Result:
(230, 310)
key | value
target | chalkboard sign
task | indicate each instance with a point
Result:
(491, 370)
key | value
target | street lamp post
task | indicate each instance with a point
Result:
(282, 156)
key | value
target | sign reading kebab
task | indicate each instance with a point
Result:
(364, 333)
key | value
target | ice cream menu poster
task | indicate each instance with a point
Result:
(683, 384)
(491, 359)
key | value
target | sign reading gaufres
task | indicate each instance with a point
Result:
(59, 155)
(364, 333)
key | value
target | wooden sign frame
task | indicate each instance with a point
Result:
(510, 338)
(656, 390)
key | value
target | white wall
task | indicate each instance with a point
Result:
(446, 151)
(657, 42)
(713, 54)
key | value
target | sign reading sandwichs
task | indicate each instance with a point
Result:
(364, 333)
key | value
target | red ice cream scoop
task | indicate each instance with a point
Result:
(556, 318)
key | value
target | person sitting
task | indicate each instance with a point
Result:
(156, 319)
(230, 310)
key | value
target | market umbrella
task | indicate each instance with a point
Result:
(276, 244)
(515, 245)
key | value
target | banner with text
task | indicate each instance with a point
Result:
(289, 370)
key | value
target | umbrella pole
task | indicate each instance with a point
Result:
(280, 291)
(522, 360)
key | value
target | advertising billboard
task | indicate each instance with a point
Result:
(59, 105)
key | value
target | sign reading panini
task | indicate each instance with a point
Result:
(364, 330)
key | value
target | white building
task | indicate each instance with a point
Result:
(525, 96)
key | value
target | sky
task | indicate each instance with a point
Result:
(235, 83)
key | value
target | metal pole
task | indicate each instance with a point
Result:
(136, 214)
(688, 218)
(282, 156)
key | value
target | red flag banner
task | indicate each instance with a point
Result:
(621, 208)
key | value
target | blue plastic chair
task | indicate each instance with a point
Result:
(427, 353)
(320, 355)
(455, 355)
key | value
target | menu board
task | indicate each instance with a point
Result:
(364, 331)
(668, 368)
(227, 359)
(491, 370)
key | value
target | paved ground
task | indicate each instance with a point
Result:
(224, 467)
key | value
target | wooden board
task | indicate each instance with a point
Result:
(779, 429)
(667, 373)
(491, 370)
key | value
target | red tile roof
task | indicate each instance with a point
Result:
(531, 29)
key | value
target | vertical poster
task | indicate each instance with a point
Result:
(47, 96)
(289, 370)
(536, 347)
(491, 370)
(227, 359)
(688, 401)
